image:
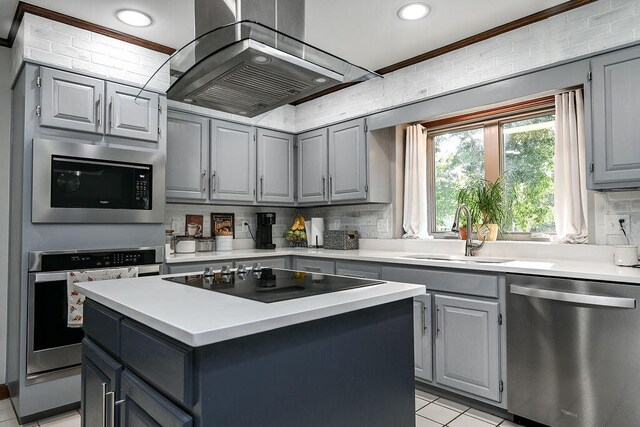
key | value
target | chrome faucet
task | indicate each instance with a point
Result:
(470, 248)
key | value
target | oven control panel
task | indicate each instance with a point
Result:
(88, 260)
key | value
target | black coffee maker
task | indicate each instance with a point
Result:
(264, 238)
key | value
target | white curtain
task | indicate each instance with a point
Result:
(570, 189)
(415, 219)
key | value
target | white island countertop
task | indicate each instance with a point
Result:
(603, 270)
(199, 317)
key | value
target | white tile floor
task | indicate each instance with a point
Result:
(431, 411)
(435, 411)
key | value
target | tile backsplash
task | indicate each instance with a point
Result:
(617, 203)
(372, 221)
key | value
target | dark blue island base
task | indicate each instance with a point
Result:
(353, 369)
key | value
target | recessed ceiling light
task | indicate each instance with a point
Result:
(134, 17)
(261, 59)
(413, 11)
(320, 80)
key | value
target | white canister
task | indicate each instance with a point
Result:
(625, 255)
(185, 245)
(224, 243)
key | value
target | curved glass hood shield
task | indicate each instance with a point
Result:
(247, 68)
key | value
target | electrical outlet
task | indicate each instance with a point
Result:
(245, 227)
(383, 225)
(612, 224)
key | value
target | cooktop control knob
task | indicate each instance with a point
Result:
(209, 271)
(242, 269)
(225, 270)
(257, 267)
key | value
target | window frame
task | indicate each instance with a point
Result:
(493, 140)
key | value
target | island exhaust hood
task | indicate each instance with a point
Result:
(241, 66)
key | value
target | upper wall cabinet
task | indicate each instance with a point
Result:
(71, 101)
(615, 107)
(130, 117)
(74, 102)
(187, 156)
(275, 167)
(313, 167)
(233, 162)
(348, 161)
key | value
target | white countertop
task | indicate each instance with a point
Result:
(568, 268)
(198, 317)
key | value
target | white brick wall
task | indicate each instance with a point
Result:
(623, 203)
(61, 45)
(591, 28)
(363, 218)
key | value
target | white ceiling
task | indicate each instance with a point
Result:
(365, 32)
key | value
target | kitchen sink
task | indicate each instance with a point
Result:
(459, 258)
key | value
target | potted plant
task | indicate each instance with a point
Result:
(487, 203)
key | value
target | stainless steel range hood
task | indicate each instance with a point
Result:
(246, 67)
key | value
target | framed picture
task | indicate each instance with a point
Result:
(194, 219)
(223, 224)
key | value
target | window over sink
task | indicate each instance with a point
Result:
(515, 142)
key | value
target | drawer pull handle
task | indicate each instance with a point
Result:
(311, 268)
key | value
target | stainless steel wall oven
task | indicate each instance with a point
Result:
(54, 349)
(84, 183)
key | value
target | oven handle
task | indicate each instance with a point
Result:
(62, 275)
(572, 297)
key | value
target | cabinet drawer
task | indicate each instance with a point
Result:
(315, 265)
(281, 262)
(167, 365)
(472, 283)
(367, 270)
(102, 325)
(194, 267)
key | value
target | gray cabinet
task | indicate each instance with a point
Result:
(233, 162)
(467, 345)
(187, 156)
(348, 161)
(100, 386)
(422, 351)
(71, 101)
(131, 117)
(314, 265)
(615, 106)
(278, 262)
(275, 167)
(313, 167)
(144, 406)
(364, 270)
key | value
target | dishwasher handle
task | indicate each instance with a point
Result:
(572, 297)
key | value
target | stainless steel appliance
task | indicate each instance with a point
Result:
(573, 351)
(241, 66)
(83, 183)
(264, 238)
(53, 349)
(268, 285)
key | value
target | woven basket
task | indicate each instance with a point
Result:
(340, 239)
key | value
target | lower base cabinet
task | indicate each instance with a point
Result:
(467, 345)
(113, 396)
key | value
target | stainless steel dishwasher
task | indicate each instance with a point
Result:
(573, 351)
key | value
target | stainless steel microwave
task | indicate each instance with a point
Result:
(84, 183)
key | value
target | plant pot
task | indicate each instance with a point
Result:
(488, 232)
(463, 233)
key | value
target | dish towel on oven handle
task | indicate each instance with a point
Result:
(75, 300)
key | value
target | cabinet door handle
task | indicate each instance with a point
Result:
(424, 317)
(111, 113)
(204, 180)
(99, 108)
(437, 320)
(261, 186)
(112, 408)
(213, 182)
(324, 184)
(330, 187)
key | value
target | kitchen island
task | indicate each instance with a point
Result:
(162, 352)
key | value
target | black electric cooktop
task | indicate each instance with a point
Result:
(273, 284)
